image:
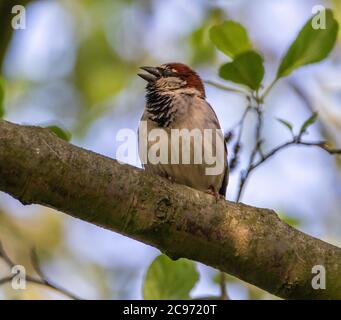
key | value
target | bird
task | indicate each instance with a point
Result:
(176, 100)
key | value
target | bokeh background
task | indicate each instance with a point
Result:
(75, 66)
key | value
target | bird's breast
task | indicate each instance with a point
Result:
(187, 150)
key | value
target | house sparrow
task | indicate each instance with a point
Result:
(175, 99)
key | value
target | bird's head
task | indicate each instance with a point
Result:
(173, 78)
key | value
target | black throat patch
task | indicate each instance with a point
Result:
(160, 107)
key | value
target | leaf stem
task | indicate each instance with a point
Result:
(226, 88)
(268, 89)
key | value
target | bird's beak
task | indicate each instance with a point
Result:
(152, 75)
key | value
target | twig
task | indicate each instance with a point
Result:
(323, 145)
(237, 146)
(256, 149)
(5, 257)
(35, 264)
(42, 280)
(6, 279)
(295, 141)
(268, 89)
(223, 291)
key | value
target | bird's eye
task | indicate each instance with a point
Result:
(169, 73)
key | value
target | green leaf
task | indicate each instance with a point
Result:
(246, 69)
(2, 97)
(308, 123)
(168, 279)
(202, 48)
(311, 45)
(61, 133)
(286, 123)
(231, 38)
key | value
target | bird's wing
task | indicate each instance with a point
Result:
(224, 184)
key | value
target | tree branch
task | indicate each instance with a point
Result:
(250, 243)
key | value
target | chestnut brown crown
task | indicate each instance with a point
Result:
(173, 76)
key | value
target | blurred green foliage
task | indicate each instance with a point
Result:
(202, 50)
(168, 279)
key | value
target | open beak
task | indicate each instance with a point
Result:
(152, 75)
